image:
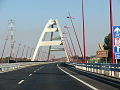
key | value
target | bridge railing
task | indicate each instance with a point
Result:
(108, 69)
(12, 66)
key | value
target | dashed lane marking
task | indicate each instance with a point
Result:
(21, 81)
(30, 74)
(34, 71)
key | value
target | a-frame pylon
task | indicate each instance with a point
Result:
(51, 27)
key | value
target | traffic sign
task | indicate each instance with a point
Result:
(116, 31)
(116, 49)
(117, 55)
(116, 41)
(102, 53)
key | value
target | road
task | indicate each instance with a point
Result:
(55, 76)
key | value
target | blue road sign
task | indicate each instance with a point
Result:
(116, 31)
(117, 56)
(116, 49)
(116, 41)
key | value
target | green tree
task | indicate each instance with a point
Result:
(107, 45)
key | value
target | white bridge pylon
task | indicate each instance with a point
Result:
(51, 27)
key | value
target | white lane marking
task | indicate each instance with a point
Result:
(21, 81)
(39, 68)
(42, 67)
(30, 74)
(90, 86)
(96, 77)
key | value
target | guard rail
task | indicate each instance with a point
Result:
(108, 69)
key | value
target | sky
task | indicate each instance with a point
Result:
(31, 16)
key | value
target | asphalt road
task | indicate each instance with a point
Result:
(55, 77)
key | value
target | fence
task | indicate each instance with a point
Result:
(108, 69)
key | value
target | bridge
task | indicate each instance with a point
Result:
(57, 74)
(56, 62)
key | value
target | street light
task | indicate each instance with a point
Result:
(66, 49)
(70, 39)
(67, 42)
(75, 33)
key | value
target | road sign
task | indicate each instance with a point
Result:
(117, 55)
(116, 49)
(116, 41)
(116, 31)
(102, 53)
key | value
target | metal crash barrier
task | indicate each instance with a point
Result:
(108, 69)
(12, 66)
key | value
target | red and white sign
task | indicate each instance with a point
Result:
(117, 41)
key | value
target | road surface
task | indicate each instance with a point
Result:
(55, 76)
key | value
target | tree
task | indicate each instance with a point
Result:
(107, 45)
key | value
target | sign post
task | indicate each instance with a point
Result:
(116, 42)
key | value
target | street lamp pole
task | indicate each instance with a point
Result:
(83, 27)
(70, 39)
(111, 24)
(67, 43)
(75, 34)
(66, 49)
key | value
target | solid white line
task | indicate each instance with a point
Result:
(97, 78)
(20, 81)
(90, 86)
(30, 74)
